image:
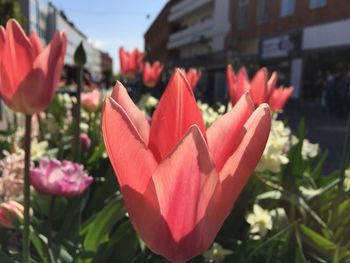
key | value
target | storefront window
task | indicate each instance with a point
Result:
(287, 7)
(317, 3)
(262, 11)
(243, 13)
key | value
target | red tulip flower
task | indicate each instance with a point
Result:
(261, 88)
(193, 75)
(279, 98)
(238, 85)
(151, 74)
(180, 181)
(29, 73)
(130, 62)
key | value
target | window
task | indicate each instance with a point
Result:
(243, 13)
(317, 3)
(262, 11)
(287, 7)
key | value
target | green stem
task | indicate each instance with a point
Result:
(49, 234)
(26, 189)
(346, 151)
(77, 115)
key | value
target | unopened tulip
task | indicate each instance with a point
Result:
(151, 74)
(60, 178)
(279, 98)
(180, 181)
(29, 73)
(193, 75)
(85, 141)
(11, 214)
(91, 101)
(130, 62)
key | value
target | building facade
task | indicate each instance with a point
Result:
(192, 34)
(302, 39)
(44, 18)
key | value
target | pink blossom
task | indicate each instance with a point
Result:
(60, 178)
(91, 100)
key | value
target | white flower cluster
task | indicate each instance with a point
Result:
(277, 147)
(209, 114)
(147, 103)
(346, 183)
(11, 180)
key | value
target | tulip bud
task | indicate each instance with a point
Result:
(80, 55)
(11, 214)
(85, 141)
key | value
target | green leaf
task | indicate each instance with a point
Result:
(40, 245)
(318, 240)
(121, 247)
(99, 229)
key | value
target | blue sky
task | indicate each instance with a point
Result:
(110, 24)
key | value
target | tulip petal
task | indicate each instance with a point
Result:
(124, 144)
(223, 134)
(238, 168)
(137, 117)
(271, 84)
(18, 54)
(185, 183)
(258, 90)
(279, 97)
(38, 88)
(6, 90)
(36, 42)
(177, 111)
(2, 41)
(231, 82)
(243, 84)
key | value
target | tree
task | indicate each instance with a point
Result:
(10, 9)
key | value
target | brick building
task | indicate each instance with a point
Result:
(303, 39)
(157, 35)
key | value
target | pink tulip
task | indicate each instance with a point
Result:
(59, 178)
(85, 141)
(91, 101)
(11, 214)
(237, 85)
(193, 75)
(279, 98)
(179, 181)
(261, 88)
(29, 73)
(130, 62)
(151, 74)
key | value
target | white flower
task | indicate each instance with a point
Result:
(66, 100)
(277, 147)
(309, 150)
(346, 183)
(216, 253)
(209, 114)
(147, 102)
(260, 222)
(38, 149)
